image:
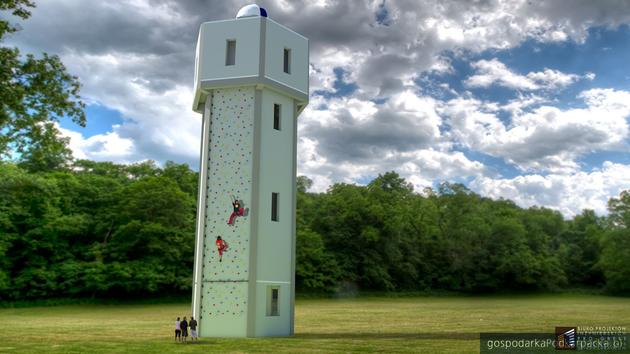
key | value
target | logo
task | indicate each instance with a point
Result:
(565, 338)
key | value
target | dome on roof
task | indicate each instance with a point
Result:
(252, 10)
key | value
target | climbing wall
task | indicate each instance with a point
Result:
(224, 289)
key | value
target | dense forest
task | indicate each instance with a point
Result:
(78, 228)
(98, 229)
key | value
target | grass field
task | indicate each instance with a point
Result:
(406, 325)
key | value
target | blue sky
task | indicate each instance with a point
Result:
(526, 100)
(100, 121)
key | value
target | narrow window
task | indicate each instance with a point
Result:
(230, 55)
(276, 116)
(274, 206)
(287, 60)
(272, 300)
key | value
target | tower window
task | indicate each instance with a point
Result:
(273, 293)
(230, 53)
(287, 60)
(276, 116)
(274, 206)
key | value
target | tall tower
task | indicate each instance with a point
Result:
(251, 83)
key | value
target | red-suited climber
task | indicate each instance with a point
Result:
(238, 211)
(221, 246)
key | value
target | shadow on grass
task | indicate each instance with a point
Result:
(381, 335)
(353, 336)
(206, 341)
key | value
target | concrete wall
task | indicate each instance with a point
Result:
(278, 38)
(274, 239)
(260, 44)
(212, 49)
(224, 290)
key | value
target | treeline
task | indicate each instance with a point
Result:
(384, 236)
(100, 229)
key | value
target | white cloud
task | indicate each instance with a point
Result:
(351, 129)
(547, 138)
(420, 167)
(353, 139)
(382, 59)
(160, 123)
(518, 105)
(325, 61)
(493, 72)
(101, 147)
(567, 193)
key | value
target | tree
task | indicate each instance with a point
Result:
(615, 257)
(352, 229)
(34, 95)
(615, 260)
(392, 206)
(153, 215)
(316, 269)
(183, 175)
(26, 247)
(19, 8)
(391, 182)
(579, 249)
(95, 230)
(303, 184)
(619, 209)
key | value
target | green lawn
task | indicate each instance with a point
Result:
(412, 325)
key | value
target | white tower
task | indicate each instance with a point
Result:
(251, 83)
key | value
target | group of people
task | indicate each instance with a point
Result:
(181, 330)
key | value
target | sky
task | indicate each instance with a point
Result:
(519, 99)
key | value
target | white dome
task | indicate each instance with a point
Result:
(252, 10)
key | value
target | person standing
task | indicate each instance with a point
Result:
(193, 329)
(184, 326)
(178, 330)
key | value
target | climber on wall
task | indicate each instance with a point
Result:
(238, 210)
(221, 246)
